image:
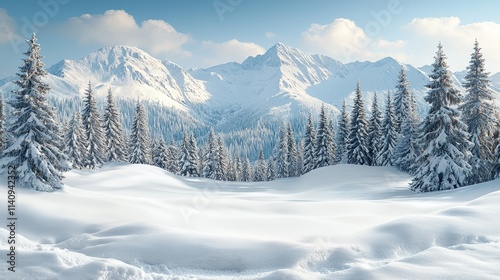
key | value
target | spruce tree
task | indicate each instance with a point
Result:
(402, 100)
(309, 147)
(331, 144)
(246, 174)
(221, 160)
(300, 157)
(344, 129)
(292, 152)
(173, 158)
(478, 113)
(188, 157)
(406, 150)
(211, 156)
(357, 147)
(261, 168)
(92, 124)
(324, 143)
(271, 174)
(281, 154)
(385, 156)
(444, 161)
(375, 131)
(160, 154)
(238, 169)
(113, 132)
(35, 151)
(75, 140)
(140, 149)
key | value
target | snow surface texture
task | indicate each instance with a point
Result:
(340, 222)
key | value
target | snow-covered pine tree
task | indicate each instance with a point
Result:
(309, 146)
(357, 147)
(173, 158)
(406, 150)
(331, 144)
(385, 157)
(113, 132)
(375, 131)
(247, 174)
(211, 156)
(323, 141)
(478, 113)
(188, 157)
(281, 153)
(291, 152)
(300, 157)
(3, 138)
(160, 154)
(444, 161)
(230, 176)
(35, 151)
(221, 160)
(261, 168)
(75, 141)
(402, 100)
(92, 124)
(344, 129)
(140, 149)
(270, 171)
(238, 169)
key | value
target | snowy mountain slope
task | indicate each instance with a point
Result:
(340, 222)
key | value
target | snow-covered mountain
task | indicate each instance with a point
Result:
(283, 82)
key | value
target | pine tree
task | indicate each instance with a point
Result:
(271, 174)
(478, 113)
(261, 168)
(357, 147)
(300, 157)
(375, 131)
(188, 157)
(115, 143)
(309, 147)
(238, 169)
(385, 156)
(331, 144)
(211, 156)
(75, 140)
(140, 150)
(406, 150)
(402, 100)
(92, 124)
(444, 160)
(324, 143)
(344, 130)
(3, 138)
(173, 158)
(247, 174)
(291, 152)
(281, 154)
(35, 151)
(221, 160)
(160, 154)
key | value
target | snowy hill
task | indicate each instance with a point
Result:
(340, 222)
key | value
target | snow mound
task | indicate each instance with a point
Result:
(342, 222)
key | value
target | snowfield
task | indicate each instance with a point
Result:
(341, 222)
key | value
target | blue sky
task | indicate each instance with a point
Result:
(201, 33)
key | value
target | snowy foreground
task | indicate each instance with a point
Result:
(341, 222)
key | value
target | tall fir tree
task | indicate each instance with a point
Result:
(271, 174)
(247, 173)
(211, 156)
(344, 129)
(324, 139)
(3, 138)
(357, 147)
(173, 158)
(160, 154)
(331, 144)
(113, 132)
(92, 124)
(221, 160)
(281, 154)
(238, 169)
(292, 152)
(75, 140)
(188, 157)
(375, 131)
(478, 113)
(385, 157)
(300, 157)
(444, 161)
(140, 149)
(35, 151)
(402, 100)
(261, 168)
(309, 146)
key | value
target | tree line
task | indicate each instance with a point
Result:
(456, 144)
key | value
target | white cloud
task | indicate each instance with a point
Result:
(270, 34)
(457, 40)
(117, 27)
(344, 40)
(232, 50)
(8, 29)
